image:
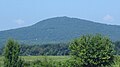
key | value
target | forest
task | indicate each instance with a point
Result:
(59, 49)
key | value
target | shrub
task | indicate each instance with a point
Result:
(92, 51)
(11, 54)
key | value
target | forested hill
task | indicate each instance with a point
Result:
(59, 29)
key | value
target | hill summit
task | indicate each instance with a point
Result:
(59, 29)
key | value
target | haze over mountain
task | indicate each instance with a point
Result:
(59, 29)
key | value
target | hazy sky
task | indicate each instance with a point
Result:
(19, 13)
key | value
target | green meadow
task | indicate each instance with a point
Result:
(34, 58)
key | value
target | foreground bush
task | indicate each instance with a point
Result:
(11, 54)
(92, 51)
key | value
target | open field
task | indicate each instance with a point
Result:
(33, 58)
(54, 58)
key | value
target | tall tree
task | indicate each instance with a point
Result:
(11, 54)
(92, 51)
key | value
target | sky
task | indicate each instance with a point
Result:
(21, 13)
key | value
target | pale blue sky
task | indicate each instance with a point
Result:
(20, 13)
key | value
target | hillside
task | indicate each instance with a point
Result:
(59, 29)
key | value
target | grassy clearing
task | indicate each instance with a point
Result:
(54, 58)
(33, 58)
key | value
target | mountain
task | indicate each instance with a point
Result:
(59, 29)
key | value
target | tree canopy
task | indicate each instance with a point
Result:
(92, 50)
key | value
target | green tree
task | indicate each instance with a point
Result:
(11, 54)
(92, 51)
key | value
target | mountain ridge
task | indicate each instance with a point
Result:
(59, 29)
(61, 17)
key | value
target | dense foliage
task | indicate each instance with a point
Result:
(11, 54)
(52, 49)
(92, 51)
(46, 49)
(59, 29)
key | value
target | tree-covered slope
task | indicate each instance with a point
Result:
(59, 29)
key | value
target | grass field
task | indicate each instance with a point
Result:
(33, 58)
(54, 58)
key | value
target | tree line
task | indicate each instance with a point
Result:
(56, 49)
(46, 49)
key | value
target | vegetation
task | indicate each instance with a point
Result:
(92, 51)
(58, 60)
(11, 54)
(52, 49)
(87, 51)
(46, 49)
(29, 60)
